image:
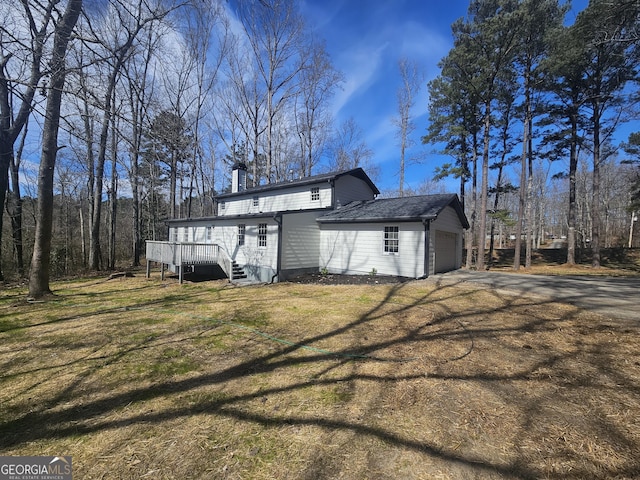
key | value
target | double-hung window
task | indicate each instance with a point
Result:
(241, 230)
(391, 240)
(256, 201)
(262, 235)
(315, 194)
(209, 233)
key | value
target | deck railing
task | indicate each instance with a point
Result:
(180, 254)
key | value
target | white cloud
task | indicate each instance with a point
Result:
(362, 67)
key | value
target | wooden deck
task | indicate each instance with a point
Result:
(178, 255)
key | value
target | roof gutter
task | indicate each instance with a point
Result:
(374, 219)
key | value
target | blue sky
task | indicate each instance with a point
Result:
(365, 40)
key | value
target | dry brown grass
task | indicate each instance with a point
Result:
(137, 378)
(615, 262)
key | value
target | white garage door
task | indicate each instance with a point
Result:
(445, 251)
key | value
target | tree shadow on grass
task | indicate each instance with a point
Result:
(550, 372)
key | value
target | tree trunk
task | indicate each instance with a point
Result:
(14, 208)
(83, 243)
(529, 247)
(137, 236)
(113, 198)
(573, 167)
(496, 201)
(595, 204)
(482, 231)
(6, 152)
(40, 262)
(522, 197)
(474, 203)
(173, 183)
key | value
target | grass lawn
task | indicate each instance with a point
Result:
(140, 378)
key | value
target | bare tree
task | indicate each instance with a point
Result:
(23, 34)
(14, 203)
(113, 37)
(406, 96)
(275, 32)
(40, 262)
(348, 149)
(139, 92)
(242, 104)
(208, 42)
(318, 81)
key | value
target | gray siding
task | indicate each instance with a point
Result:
(348, 189)
(447, 221)
(300, 241)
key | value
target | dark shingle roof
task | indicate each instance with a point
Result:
(324, 177)
(405, 209)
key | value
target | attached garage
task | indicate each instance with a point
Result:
(409, 236)
(446, 246)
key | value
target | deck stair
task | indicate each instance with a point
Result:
(238, 271)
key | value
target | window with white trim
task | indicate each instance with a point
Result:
(241, 230)
(223, 205)
(185, 234)
(256, 201)
(391, 240)
(315, 194)
(262, 235)
(209, 233)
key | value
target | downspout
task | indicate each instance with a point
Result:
(333, 194)
(427, 234)
(278, 219)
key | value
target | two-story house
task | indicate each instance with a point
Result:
(331, 222)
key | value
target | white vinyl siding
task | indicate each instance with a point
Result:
(357, 249)
(194, 233)
(281, 200)
(259, 262)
